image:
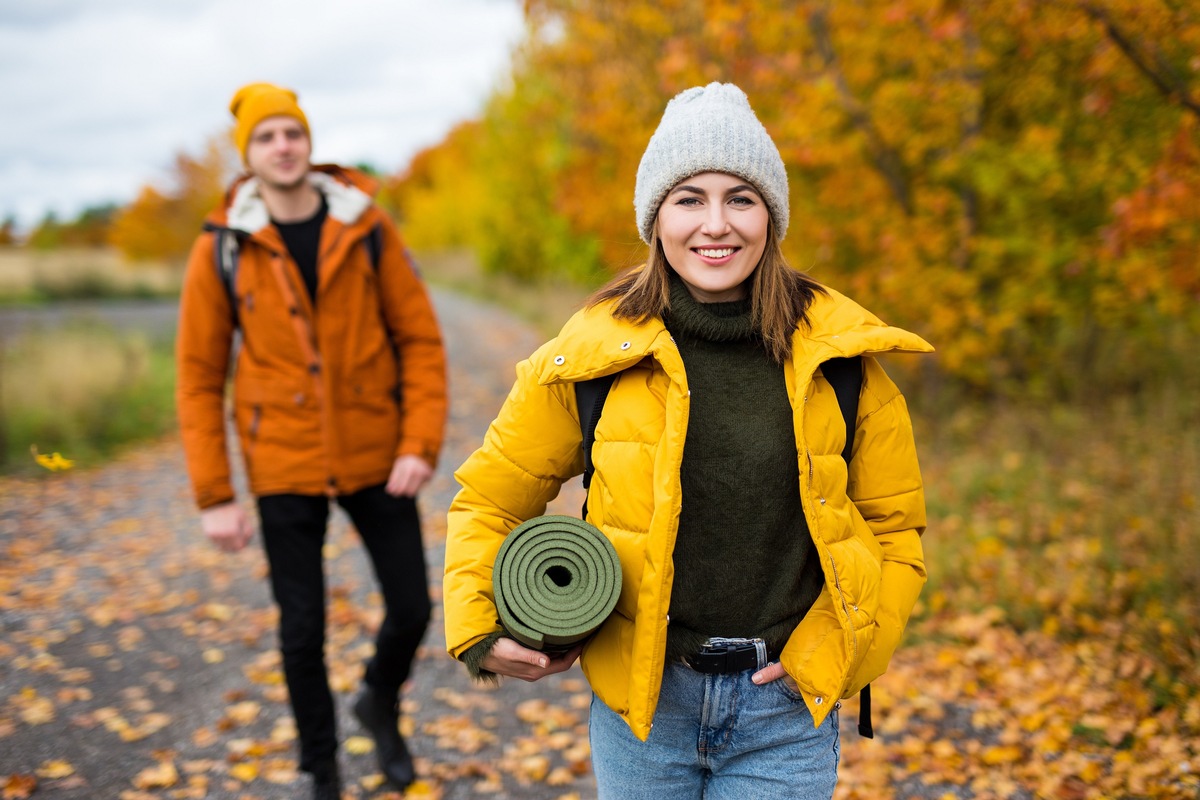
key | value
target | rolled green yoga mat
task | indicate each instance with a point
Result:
(556, 579)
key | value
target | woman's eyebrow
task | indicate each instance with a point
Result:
(741, 187)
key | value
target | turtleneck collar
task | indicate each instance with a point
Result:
(713, 322)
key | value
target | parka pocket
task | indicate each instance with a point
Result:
(277, 411)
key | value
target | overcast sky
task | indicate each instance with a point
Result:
(97, 96)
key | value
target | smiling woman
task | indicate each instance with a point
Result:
(751, 533)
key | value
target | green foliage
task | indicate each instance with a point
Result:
(83, 391)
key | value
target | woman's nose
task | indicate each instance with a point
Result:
(715, 222)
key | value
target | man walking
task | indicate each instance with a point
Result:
(339, 394)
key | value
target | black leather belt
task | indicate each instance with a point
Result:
(726, 657)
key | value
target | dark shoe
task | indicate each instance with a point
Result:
(327, 784)
(380, 715)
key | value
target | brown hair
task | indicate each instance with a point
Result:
(779, 295)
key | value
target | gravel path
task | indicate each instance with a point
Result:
(138, 662)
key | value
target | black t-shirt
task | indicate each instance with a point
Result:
(303, 240)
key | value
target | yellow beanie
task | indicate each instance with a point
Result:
(254, 102)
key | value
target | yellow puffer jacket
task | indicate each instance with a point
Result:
(870, 549)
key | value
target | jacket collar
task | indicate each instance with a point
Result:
(347, 202)
(594, 343)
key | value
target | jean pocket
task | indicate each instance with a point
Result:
(788, 688)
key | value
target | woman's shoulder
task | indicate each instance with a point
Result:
(833, 315)
(593, 340)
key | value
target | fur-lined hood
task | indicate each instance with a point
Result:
(348, 192)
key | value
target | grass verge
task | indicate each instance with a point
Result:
(84, 391)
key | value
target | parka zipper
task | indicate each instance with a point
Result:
(252, 432)
(837, 581)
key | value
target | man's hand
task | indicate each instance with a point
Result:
(226, 526)
(409, 474)
(513, 659)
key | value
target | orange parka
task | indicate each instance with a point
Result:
(325, 397)
(866, 524)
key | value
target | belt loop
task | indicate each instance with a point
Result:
(760, 647)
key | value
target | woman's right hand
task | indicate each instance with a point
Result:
(509, 657)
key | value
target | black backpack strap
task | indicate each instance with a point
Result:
(226, 246)
(865, 729)
(845, 376)
(589, 400)
(374, 243)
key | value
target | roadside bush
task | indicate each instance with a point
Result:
(83, 391)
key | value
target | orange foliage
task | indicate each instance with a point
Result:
(984, 173)
(164, 224)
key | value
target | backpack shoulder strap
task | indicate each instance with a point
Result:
(374, 243)
(589, 400)
(226, 246)
(845, 376)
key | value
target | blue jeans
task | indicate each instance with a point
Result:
(717, 737)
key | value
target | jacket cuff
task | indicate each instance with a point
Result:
(425, 450)
(474, 655)
(206, 500)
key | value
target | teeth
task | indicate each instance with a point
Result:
(721, 253)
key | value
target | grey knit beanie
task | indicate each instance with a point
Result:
(710, 129)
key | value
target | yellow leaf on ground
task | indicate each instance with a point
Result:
(56, 769)
(372, 782)
(360, 745)
(243, 713)
(1006, 754)
(53, 462)
(245, 772)
(422, 789)
(162, 776)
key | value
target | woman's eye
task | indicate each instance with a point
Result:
(741, 201)
(688, 201)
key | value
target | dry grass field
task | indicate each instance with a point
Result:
(33, 276)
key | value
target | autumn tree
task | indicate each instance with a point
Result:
(1008, 177)
(163, 223)
(8, 231)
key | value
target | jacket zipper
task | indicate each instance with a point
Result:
(846, 611)
(252, 432)
(837, 581)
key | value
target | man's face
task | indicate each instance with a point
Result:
(278, 152)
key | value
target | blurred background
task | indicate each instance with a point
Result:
(1018, 181)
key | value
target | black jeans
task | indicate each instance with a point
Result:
(293, 532)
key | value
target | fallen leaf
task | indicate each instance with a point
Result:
(360, 745)
(55, 769)
(162, 776)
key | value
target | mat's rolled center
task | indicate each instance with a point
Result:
(556, 579)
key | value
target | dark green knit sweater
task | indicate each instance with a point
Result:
(745, 564)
